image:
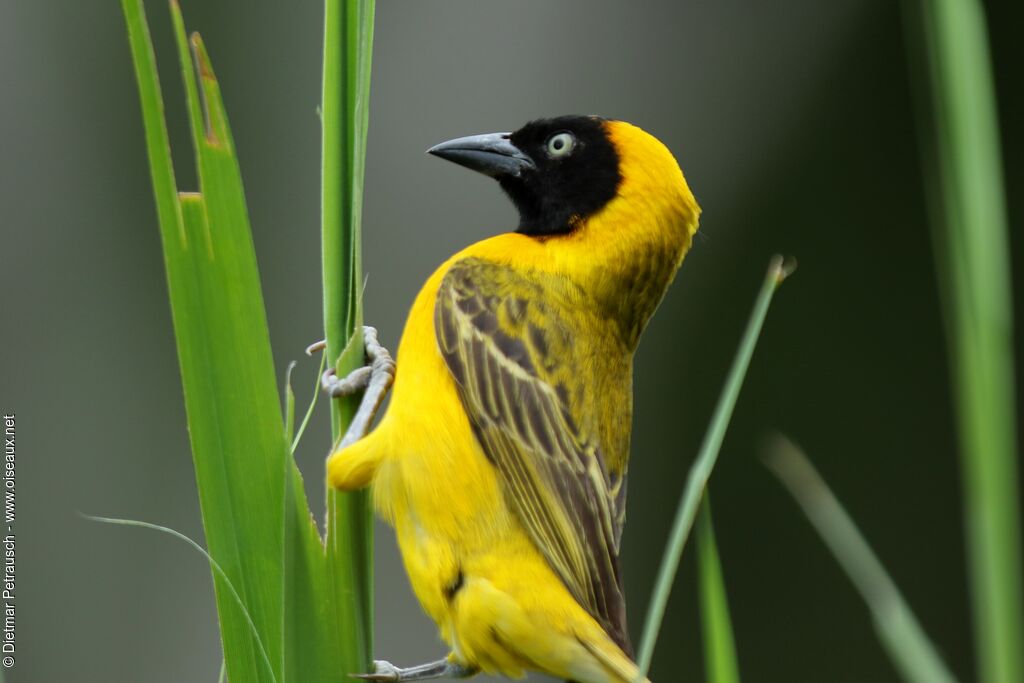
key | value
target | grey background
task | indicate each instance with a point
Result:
(794, 125)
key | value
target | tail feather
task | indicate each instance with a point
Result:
(615, 661)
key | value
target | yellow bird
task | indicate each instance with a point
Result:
(501, 460)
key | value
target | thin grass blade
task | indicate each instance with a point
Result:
(214, 565)
(158, 146)
(898, 629)
(702, 466)
(720, 661)
(970, 233)
(312, 406)
(289, 406)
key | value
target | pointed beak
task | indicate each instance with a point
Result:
(492, 154)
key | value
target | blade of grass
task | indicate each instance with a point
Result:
(158, 146)
(898, 629)
(700, 471)
(348, 41)
(720, 660)
(289, 406)
(970, 234)
(312, 405)
(223, 345)
(217, 569)
(313, 638)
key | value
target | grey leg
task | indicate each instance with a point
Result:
(375, 379)
(442, 668)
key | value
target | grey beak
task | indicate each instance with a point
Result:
(492, 154)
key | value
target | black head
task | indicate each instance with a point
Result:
(556, 171)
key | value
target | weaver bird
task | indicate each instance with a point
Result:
(501, 461)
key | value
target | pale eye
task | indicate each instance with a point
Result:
(561, 144)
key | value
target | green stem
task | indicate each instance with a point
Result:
(898, 629)
(720, 662)
(700, 472)
(971, 245)
(348, 40)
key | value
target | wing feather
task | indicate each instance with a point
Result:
(493, 330)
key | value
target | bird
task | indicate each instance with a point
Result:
(501, 460)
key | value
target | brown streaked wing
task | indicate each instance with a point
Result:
(490, 323)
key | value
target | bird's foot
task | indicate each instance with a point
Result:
(443, 668)
(379, 370)
(350, 384)
(374, 379)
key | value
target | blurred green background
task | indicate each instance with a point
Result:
(794, 124)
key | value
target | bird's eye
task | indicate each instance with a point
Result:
(561, 144)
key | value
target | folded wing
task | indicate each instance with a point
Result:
(509, 342)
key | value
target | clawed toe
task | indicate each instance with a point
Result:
(379, 357)
(374, 379)
(379, 365)
(354, 382)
